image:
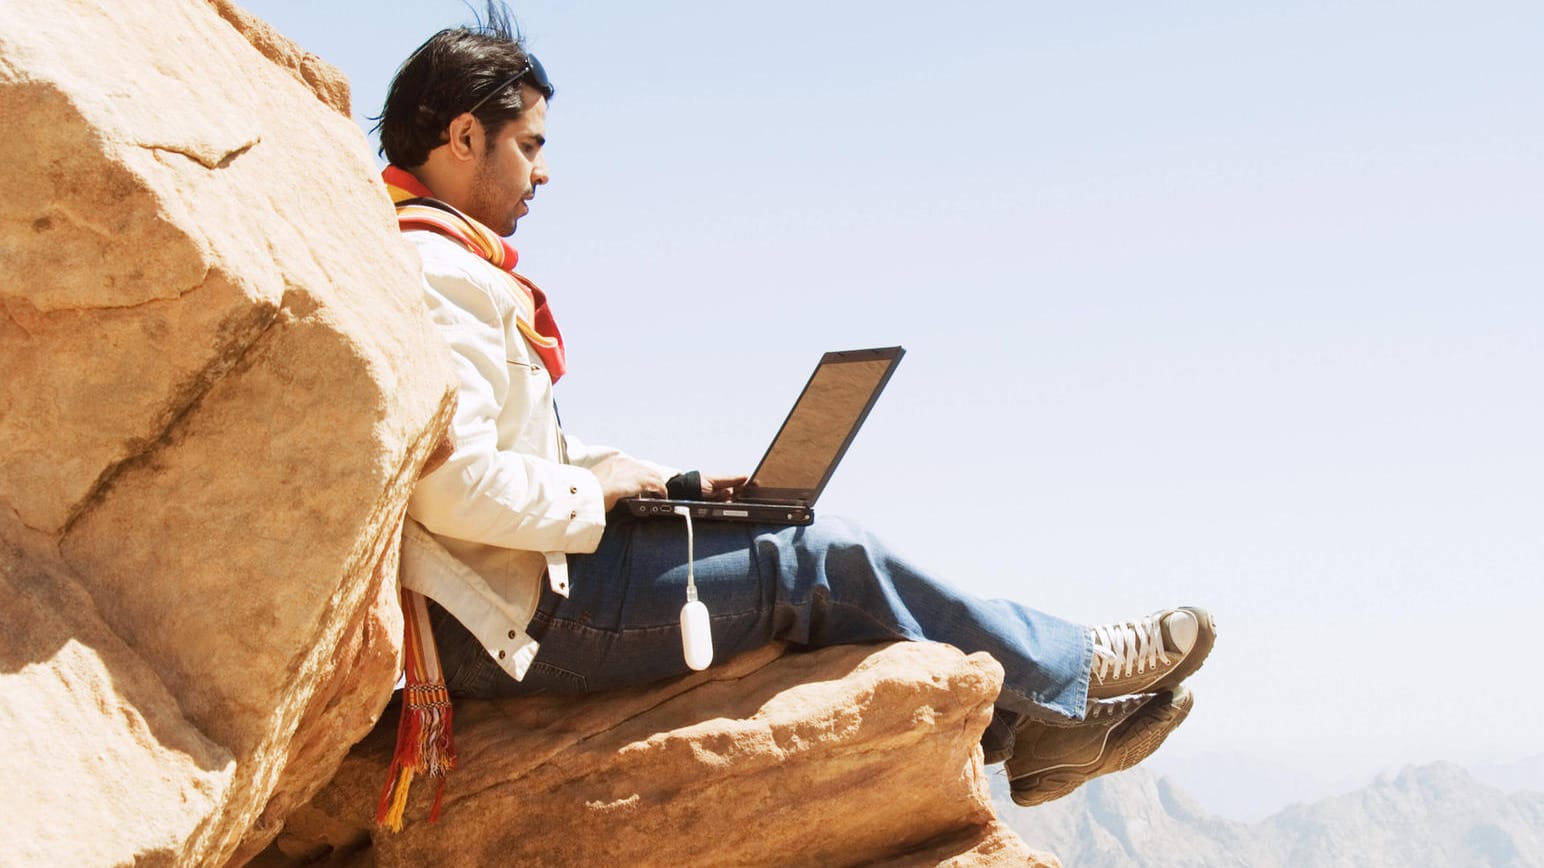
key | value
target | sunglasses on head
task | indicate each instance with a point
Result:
(533, 72)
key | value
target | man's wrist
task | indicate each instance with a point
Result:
(684, 486)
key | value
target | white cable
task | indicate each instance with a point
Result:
(696, 630)
(691, 557)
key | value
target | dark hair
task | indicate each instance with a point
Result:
(456, 70)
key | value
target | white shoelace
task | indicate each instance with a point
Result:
(1128, 647)
(1112, 708)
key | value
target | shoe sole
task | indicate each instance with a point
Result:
(1136, 740)
(992, 758)
(1206, 637)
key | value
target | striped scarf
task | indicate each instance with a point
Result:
(418, 209)
(424, 742)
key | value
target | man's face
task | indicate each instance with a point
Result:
(510, 169)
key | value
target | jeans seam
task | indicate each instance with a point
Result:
(551, 669)
(582, 628)
(885, 628)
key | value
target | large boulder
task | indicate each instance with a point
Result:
(845, 756)
(219, 385)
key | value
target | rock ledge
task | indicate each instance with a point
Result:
(845, 756)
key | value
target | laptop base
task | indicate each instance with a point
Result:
(749, 513)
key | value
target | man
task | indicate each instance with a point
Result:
(539, 587)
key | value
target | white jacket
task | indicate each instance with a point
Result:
(515, 496)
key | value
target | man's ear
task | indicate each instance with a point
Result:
(465, 137)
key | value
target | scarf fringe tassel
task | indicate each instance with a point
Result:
(424, 747)
(424, 742)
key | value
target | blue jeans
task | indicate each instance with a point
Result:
(829, 583)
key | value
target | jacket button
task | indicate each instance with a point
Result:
(574, 514)
(512, 634)
(501, 655)
(573, 489)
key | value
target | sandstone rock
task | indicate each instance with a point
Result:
(100, 765)
(219, 385)
(844, 756)
(324, 79)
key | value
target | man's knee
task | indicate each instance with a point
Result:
(843, 549)
(836, 534)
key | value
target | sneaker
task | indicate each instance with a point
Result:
(1050, 760)
(997, 740)
(1150, 655)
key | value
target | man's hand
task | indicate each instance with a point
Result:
(621, 476)
(721, 487)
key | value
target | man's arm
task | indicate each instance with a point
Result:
(620, 474)
(616, 468)
(482, 493)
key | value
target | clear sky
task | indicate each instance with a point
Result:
(1217, 303)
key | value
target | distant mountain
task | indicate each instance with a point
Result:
(1251, 787)
(1434, 815)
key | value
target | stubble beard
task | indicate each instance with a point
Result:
(492, 202)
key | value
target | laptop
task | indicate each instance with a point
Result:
(805, 452)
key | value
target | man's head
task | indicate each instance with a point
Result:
(466, 114)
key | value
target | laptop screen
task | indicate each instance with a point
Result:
(822, 425)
